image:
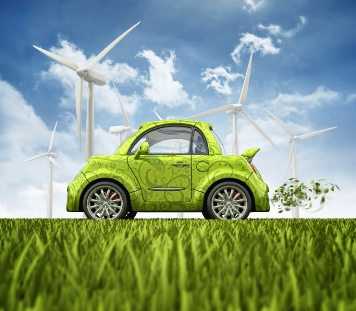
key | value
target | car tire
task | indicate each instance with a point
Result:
(105, 200)
(131, 215)
(229, 200)
(205, 214)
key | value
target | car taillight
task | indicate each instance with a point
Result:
(253, 168)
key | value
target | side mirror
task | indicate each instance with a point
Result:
(142, 150)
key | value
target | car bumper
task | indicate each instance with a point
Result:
(260, 192)
(74, 191)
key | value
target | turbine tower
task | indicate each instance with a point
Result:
(121, 129)
(51, 155)
(92, 77)
(234, 109)
(292, 151)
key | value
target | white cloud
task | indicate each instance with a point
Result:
(111, 103)
(3, 212)
(17, 117)
(105, 99)
(160, 86)
(105, 142)
(351, 97)
(277, 30)
(287, 104)
(32, 202)
(314, 160)
(252, 43)
(220, 78)
(252, 4)
(23, 134)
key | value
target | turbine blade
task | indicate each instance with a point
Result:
(56, 164)
(122, 107)
(249, 119)
(51, 142)
(59, 59)
(316, 133)
(291, 152)
(215, 110)
(78, 106)
(35, 157)
(157, 115)
(133, 130)
(285, 126)
(108, 49)
(246, 82)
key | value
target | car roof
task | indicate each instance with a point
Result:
(176, 121)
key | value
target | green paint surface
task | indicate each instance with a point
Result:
(168, 182)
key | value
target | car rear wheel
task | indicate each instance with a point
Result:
(105, 200)
(229, 200)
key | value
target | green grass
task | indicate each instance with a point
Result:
(178, 264)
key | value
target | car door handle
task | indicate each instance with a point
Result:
(180, 164)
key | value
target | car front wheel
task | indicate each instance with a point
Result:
(130, 215)
(229, 200)
(205, 213)
(105, 200)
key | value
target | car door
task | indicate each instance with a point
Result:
(165, 174)
(201, 161)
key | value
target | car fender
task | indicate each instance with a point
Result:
(111, 167)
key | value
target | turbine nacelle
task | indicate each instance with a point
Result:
(293, 138)
(119, 129)
(92, 76)
(236, 109)
(52, 154)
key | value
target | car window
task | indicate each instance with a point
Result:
(219, 142)
(199, 144)
(138, 143)
(167, 140)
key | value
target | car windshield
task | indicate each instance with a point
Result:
(128, 135)
(167, 140)
(219, 141)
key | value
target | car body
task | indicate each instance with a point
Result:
(169, 166)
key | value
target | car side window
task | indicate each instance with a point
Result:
(167, 140)
(199, 144)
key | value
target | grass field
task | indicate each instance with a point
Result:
(178, 264)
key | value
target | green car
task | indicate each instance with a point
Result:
(169, 166)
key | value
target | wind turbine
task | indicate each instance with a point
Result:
(51, 155)
(292, 151)
(234, 109)
(92, 77)
(121, 129)
(157, 115)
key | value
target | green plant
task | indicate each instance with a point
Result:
(292, 194)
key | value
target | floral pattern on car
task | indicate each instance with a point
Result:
(156, 173)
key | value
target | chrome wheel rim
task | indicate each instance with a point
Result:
(104, 202)
(229, 202)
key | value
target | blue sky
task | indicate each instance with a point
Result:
(184, 58)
